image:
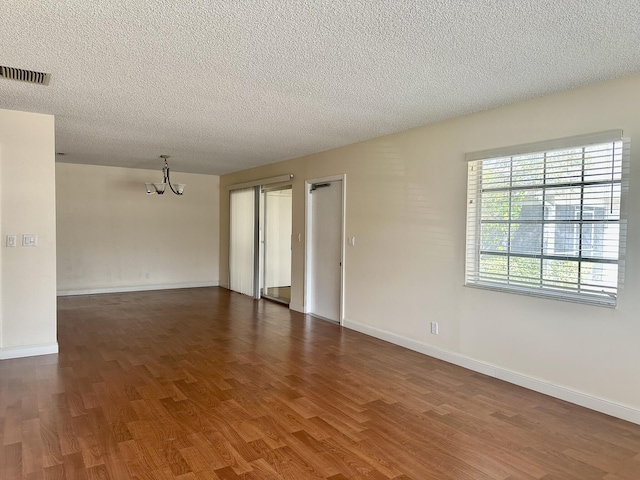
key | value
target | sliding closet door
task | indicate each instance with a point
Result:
(242, 241)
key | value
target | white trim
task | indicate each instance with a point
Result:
(602, 405)
(307, 237)
(136, 288)
(28, 351)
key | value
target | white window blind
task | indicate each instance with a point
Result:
(242, 241)
(545, 219)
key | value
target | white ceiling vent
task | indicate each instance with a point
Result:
(29, 76)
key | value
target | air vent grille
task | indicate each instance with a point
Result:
(22, 75)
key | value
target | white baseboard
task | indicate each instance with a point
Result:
(135, 288)
(539, 385)
(28, 351)
(296, 307)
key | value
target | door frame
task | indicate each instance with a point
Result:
(307, 238)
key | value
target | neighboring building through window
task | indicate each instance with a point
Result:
(544, 219)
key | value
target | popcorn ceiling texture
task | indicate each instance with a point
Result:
(226, 85)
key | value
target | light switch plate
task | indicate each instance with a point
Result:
(29, 240)
(10, 241)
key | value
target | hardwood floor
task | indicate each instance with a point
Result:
(208, 384)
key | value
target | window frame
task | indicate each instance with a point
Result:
(474, 222)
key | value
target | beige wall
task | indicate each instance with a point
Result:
(112, 236)
(27, 206)
(405, 205)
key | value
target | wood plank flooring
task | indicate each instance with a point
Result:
(208, 384)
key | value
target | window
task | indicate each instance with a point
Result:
(544, 219)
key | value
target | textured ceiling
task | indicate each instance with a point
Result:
(226, 85)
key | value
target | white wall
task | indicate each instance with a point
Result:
(406, 206)
(112, 236)
(27, 206)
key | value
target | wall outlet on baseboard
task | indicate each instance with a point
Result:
(434, 328)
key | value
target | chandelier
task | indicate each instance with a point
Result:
(159, 188)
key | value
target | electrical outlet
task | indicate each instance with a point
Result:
(434, 328)
(10, 241)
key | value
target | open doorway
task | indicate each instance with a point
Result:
(275, 221)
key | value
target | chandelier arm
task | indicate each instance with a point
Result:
(168, 181)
